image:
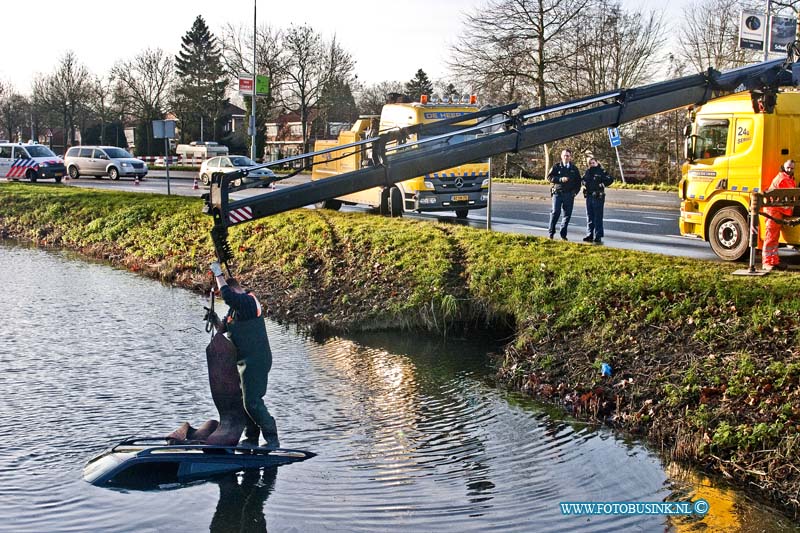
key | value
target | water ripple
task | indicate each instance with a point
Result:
(408, 434)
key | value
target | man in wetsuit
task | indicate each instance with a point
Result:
(245, 326)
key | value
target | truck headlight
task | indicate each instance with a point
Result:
(429, 185)
(485, 183)
(425, 200)
(484, 197)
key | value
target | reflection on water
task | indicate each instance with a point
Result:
(241, 501)
(731, 509)
(409, 434)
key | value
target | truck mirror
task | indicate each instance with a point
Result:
(687, 130)
(688, 147)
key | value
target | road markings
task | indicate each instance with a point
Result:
(621, 221)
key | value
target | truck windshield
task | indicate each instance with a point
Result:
(117, 153)
(450, 128)
(39, 151)
(711, 138)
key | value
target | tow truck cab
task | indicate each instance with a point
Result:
(458, 189)
(731, 151)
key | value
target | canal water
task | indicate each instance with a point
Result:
(410, 433)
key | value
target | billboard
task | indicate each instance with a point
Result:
(751, 30)
(782, 33)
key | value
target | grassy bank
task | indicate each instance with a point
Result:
(704, 364)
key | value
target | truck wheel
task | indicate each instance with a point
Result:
(73, 172)
(31, 175)
(383, 209)
(58, 179)
(205, 179)
(333, 205)
(462, 213)
(395, 202)
(728, 234)
(113, 173)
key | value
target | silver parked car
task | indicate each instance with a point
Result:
(229, 163)
(103, 161)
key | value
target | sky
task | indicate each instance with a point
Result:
(388, 40)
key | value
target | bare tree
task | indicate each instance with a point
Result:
(614, 49)
(66, 91)
(513, 46)
(237, 56)
(14, 109)
(709, 35)
(311, 65)
(102, 94)
(371, 98)
(145, 84)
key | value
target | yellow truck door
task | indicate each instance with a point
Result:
(713, 148)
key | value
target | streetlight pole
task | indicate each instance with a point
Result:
(255, 75)
(767, 31)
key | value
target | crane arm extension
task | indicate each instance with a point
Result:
(577, 117)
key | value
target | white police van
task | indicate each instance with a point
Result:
(30, 161)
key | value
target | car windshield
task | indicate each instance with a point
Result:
(241, 161)
(37, 150)
(117, 153)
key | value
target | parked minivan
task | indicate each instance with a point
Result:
(103, 161)
(29, 161)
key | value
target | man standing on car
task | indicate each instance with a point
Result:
(566, 180)
(245, 326)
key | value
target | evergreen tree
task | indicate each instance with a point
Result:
(200, 94)
(419, 85)
(451, 92)
(336, 104)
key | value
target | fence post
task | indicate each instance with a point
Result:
(754, 205)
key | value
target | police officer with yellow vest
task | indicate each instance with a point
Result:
(245, 326)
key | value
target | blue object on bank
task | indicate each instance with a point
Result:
(605, 369)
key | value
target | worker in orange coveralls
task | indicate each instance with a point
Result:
(769, 253)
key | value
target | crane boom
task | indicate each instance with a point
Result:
(502, 130)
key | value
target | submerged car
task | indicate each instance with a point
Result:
(103, 161)
(147, 463)
(229, 163)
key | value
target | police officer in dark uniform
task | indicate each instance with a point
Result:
(595, 182)
(566, 180)
(245, 325)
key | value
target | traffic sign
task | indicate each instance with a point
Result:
(246, 85)
(613, 136)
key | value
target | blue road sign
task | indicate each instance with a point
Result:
(613, 136)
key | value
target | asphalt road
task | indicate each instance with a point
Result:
(635, 220)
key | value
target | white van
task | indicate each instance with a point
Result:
(200, 150)
(30, 161)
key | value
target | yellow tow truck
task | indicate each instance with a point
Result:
(733, 148)
(457, 189)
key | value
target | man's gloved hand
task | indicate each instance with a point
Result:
(216, 268)
(211, 315)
